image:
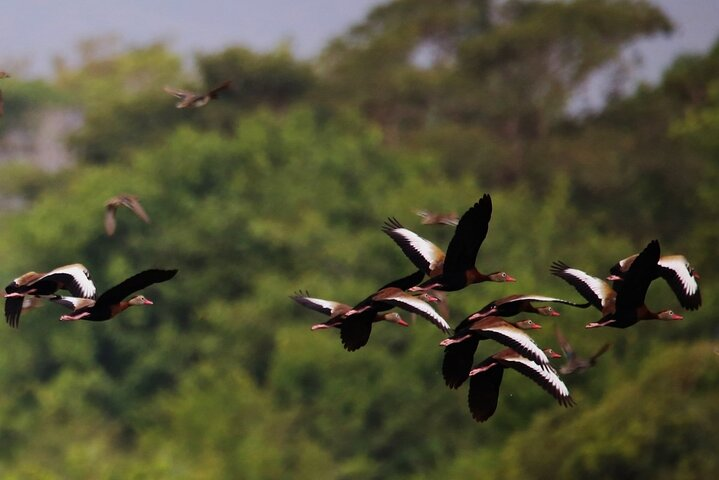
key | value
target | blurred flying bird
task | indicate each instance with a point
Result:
(194, 100)
(432, 218)
(574, 363)
(130, 201)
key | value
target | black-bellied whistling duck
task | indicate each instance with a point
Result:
(514, 304)
(124, 200)
(414, 304)
(355, 324)
(675, 270)
(113, 302)
(355, 332)
(194, 100)
(459, 348)
(574, 363)
(434, 218)
(459, 268)
(74, 278)
(631, 291)
(486, 378)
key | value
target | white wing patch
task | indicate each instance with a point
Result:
(599, 287)
(681, 269)
(549, 376)
(519, 338)
(420, 307)
(80, 279)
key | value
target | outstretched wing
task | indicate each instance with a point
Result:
(595, 290)
(327, 307)
(137, 282)
(424, 254)
(418, 306)
(483, 392)
(468, 237)
(682, 279)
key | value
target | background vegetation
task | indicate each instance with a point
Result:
(283, 185)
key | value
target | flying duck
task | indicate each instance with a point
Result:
(486, 378)
(194, 100)
(130, 201)
(459, 268)
(112, 302)
(460, 348)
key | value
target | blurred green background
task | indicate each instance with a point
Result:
(283, 184)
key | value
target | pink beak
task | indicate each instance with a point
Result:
(402, 322)
(613, 278)
(510, 279)
(554, 313)
(147, 302)
(676, 316)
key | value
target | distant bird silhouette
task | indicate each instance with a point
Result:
(432, 218)
(460, 347)
(74, 278)
(112, 302)
(4, 74)
(194, 100)
(675, 270)
(130, 201)
(459, 268)
(574, 363)
(486, 378)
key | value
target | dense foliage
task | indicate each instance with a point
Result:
(283, 185)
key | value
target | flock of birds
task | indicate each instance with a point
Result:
(30, 289)
(622, 304)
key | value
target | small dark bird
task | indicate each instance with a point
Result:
(195, 100)
(112, 302)
(574, 363)
(486, 378)
(130, 201)
(74, 278)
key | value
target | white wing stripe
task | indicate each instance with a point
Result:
(523, 339)
(549, 375)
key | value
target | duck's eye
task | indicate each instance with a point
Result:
(504, 275)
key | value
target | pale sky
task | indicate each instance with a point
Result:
(32, 32)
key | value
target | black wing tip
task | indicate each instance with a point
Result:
(558, 267)
(391, 224)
